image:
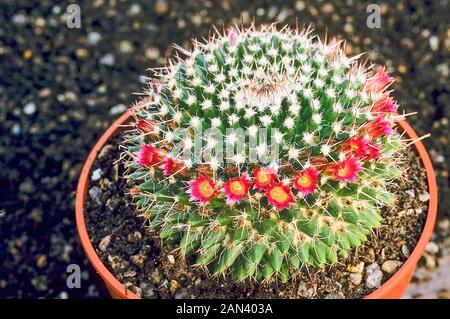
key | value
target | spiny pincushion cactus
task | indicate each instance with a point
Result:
(264, 151)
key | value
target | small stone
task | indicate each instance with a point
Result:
(96, 174)
(444, 294)
(104, 243)
(444, 224)
(81, 53)
(93, 38)
(174, 285)
(356, 278)
(129, 274)
(137, 235)
(105, 151)
(94, 194)
(434, 43)
(125, 47)
(300, 5)
(430, 261)
(327, 8)
(41, 261)
(152, 53)
(29, 108)
(136, 290)
(432, 248)
(134, 10)
(27, 186)
(16, 129)
(374, 275)
(108, 59)
(410, 192)
(117, 109)
(19, 19)
(357, 269)
(181, 294)
(306, 291)
(405, 251)
(63, 295)
(171, 259)
(156, 277)
(161, 7)
(334, 296)
(423, 197)
(139, 260)
(390, 266)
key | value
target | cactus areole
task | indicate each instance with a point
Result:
(264, 151)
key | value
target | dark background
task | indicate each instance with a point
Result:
(60, 88)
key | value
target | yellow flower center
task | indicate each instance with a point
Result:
(342, 171)
(206, 189)
(304, 181)
(263, 178)
(278, 194)
(237, 188)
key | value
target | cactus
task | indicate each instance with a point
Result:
(330, 119)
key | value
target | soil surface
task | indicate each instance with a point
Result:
(61, 87)
(152, 270)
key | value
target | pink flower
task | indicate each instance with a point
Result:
(264, 177)
(358, 145)
(306, 181)
(146, 126)
(379, 127)
(346, 170)
(385, 105)
(280, 196)
(236, 189)
(150, 156)
(202, 189)
(374, 151)
(174, 167)
(380, 80)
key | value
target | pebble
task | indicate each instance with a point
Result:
(300, 5)
(374, 275)
(94, 194)
(104, 243)
(173, 287)
(16, 129)
(63, 295)
(19, 19)
(432, 248)
(138, 260)
(129, 274)
(171, 259)
(108, 59)
(29, 108)
(391, 266)
(434, 42)
(357, 269)
(334, 296)
(161, 7)
(305, 291)
(93, 38)
(444, 224)
(410, 192)
(125, 47)
(156, 276)
(96, 174)
(152, 53)
(444, 294)
(117, 109)
(405, 251)
(430, 261)
(356, 278)
(41, 261)
(134, 10)
(423, 197)
(181, 294)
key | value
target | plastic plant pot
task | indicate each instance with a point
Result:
(392, 288)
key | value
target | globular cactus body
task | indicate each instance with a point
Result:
(329, 118)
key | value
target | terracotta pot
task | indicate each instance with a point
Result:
(393, 288)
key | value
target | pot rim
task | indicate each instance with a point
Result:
(122, 291)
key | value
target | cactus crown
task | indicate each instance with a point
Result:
(304, 192)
